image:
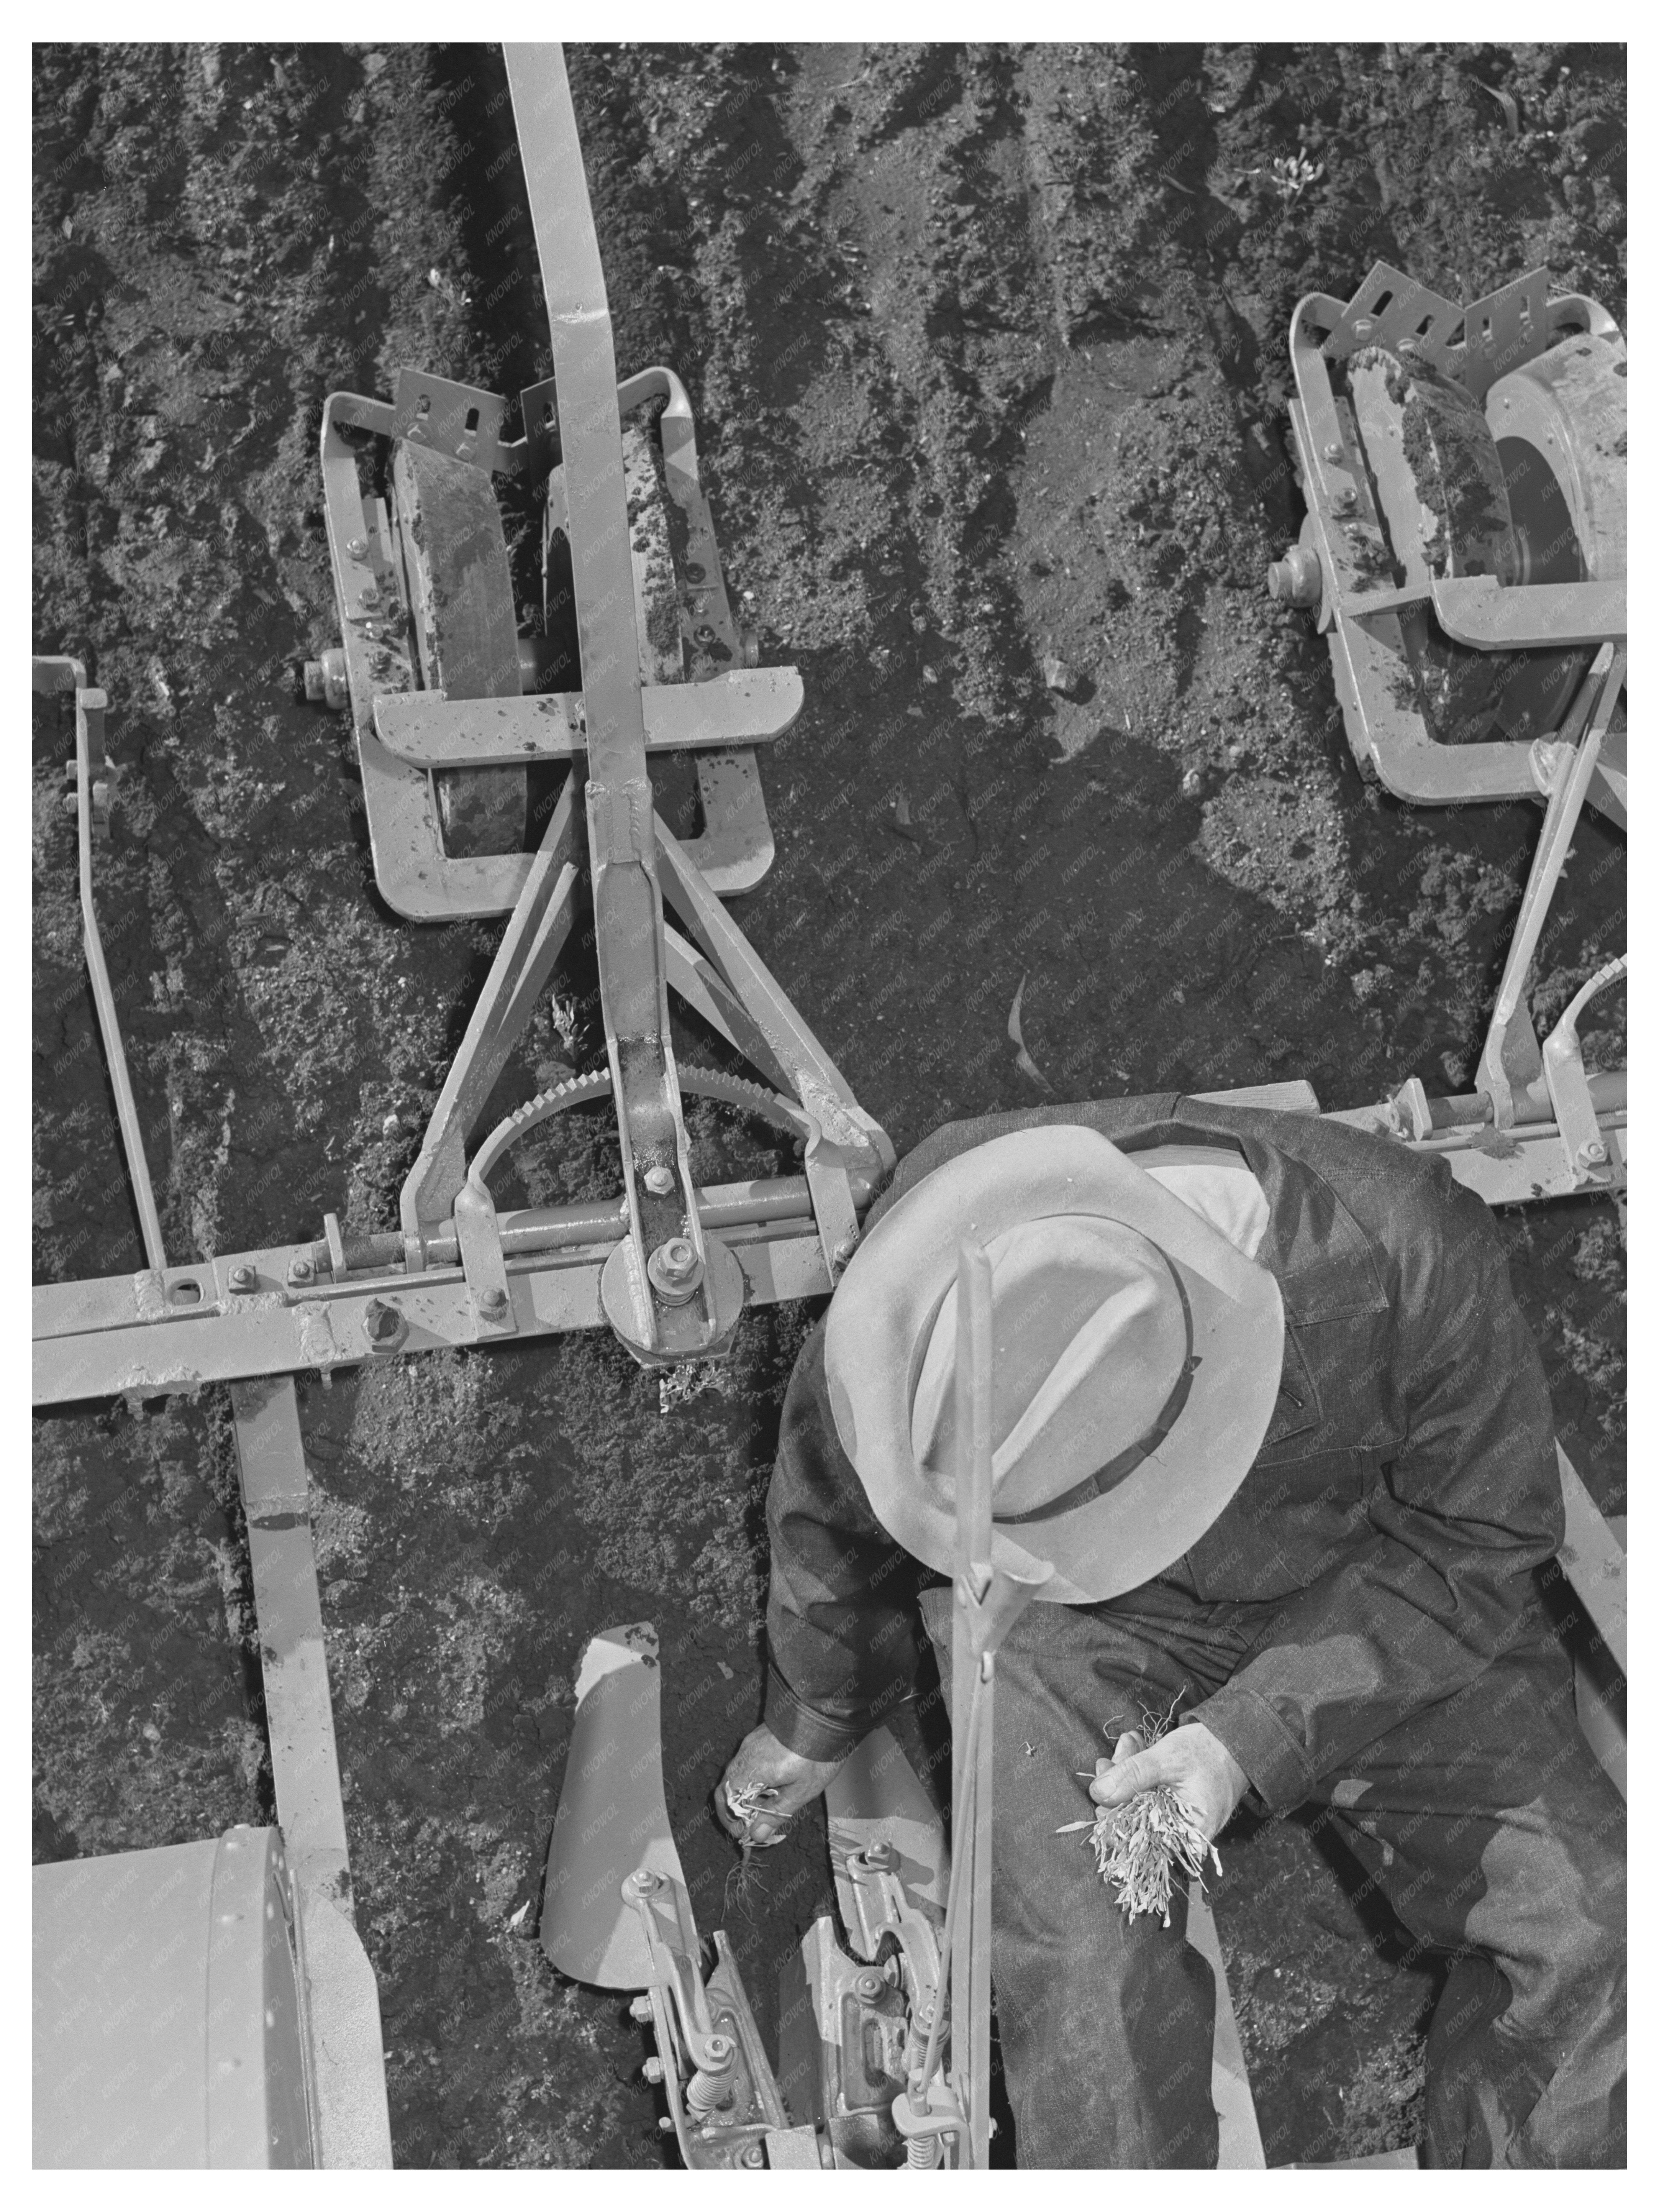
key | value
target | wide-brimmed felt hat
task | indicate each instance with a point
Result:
(1136, 1361)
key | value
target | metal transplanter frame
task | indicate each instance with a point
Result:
(668, 1265)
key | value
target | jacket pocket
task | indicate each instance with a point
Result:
(1296, 1410)
(1289, 1522)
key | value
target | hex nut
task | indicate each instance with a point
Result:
(654, 2069)
(675, 1270)
(640, 2010)
(660, 1181)
(493, 1301)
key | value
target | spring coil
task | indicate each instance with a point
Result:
(707, 2092)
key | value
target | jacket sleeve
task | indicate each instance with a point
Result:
(1443, 1583)
(841, 1615)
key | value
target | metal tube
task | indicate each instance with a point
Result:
(530, 1229)
(1609, 1090)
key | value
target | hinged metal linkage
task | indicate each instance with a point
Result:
(450, 707)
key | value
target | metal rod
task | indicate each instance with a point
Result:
(88, 702)
(970, 1939)
(962, 1818)
(627, 916)
(530, 1229)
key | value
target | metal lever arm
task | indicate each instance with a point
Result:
(627, 918)
(1509, 1060)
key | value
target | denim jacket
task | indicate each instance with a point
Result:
(1386, 1534)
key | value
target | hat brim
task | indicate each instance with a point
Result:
(897, 1279)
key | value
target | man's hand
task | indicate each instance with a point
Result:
(1196, 1766)
(762, 1763)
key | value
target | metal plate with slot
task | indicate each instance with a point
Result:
(744, 707)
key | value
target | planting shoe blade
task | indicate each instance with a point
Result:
(612, 1815)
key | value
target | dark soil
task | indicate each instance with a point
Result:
(987, 350)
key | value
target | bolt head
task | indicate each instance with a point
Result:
(718, 2050)
(870, 1985)
(1295, 581)
(356, 547)
(1344, 499)
(643, 1882)
(752, 2155)
(1333, 449)
(640, 2010)
(242, 1279)
(654, 2069)
(300, 1269)
(660, 1181)
(493, 1301)
(1595, 1152)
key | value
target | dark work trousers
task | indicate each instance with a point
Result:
(1485, 1822)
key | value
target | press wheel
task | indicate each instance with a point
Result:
(460, 588)
(1448, 499)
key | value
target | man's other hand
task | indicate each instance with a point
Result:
(762, 1763)
(1200, 1769)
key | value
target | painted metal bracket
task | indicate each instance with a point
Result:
(341, 2012)
(427, 730)
(1342, 542)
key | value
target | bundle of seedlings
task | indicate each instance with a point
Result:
(1139, 1847)
(747, 1805)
